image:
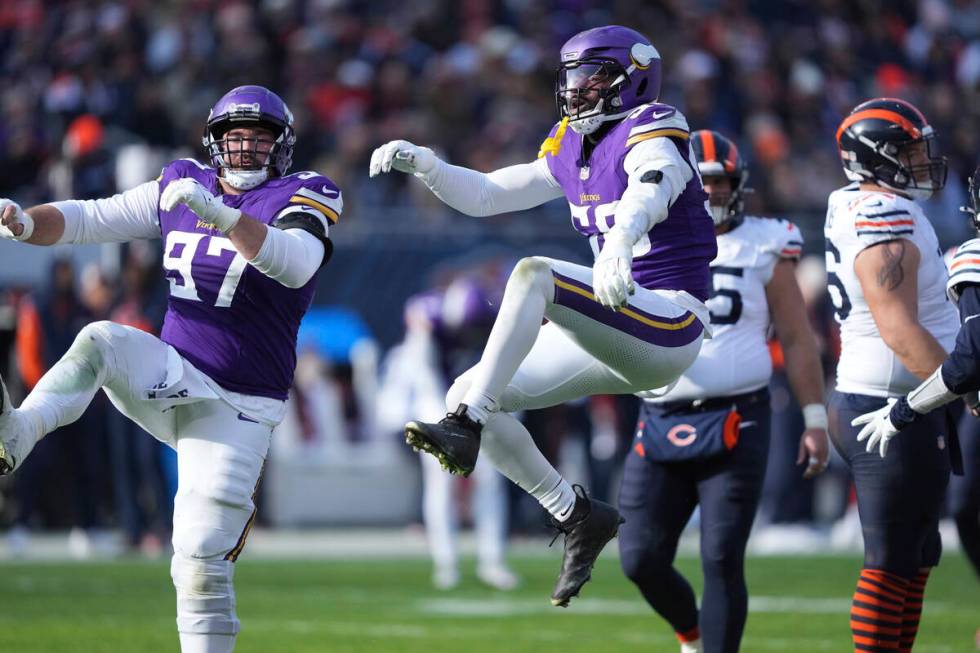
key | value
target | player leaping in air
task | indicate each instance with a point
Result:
(242, 244)
(633, 322)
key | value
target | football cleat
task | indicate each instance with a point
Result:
(7, 461)
(455, 440)
(591, 525)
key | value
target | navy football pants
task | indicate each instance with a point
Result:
(964, 491)
(900, 497)
(657, 500)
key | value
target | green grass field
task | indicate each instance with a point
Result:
(800, 605)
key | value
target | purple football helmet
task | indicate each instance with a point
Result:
(250, 106)
(605, 73)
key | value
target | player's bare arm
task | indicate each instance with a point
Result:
(43, 224)
(802, 361)
(888, 275)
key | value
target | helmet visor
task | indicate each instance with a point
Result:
(582, 85)
(926, 167)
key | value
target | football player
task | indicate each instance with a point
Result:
(887, 278)
(706, 441)
(634, 321)
(242, 244)
(444, 334)
(958, 375)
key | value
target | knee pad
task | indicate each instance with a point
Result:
(899, 556)
(642, 565)
(95, 343)
(533, 272)
(205, 595)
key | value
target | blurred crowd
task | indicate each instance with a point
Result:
(475, 80)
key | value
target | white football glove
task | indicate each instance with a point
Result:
(878, 427)
(402, 156)
(199, 199)
(612, 273)
(12, 215)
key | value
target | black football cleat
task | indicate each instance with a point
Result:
(455, 440)
(591, 525)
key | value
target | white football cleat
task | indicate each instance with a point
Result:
(445, 578)
(498, 576)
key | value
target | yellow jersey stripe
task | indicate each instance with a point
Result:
(629, 313)
(237, 551)
(670, 132)
(323, 208)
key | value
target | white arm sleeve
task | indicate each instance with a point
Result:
(644, 204)
(514, 188)
(130, 215)
(290, 256)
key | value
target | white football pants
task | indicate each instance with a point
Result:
(220, 453)
(584, 349)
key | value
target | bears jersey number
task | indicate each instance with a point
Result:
(179, 255)
(725, 304)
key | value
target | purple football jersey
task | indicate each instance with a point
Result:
(232, 322)
(681, 247)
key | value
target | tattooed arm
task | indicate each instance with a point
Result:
(888, 273)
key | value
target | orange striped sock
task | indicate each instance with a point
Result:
(912, 611)
(691, 635)
(876, 611)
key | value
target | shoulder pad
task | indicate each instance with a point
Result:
(879, 216)
(316, 191)
(964, 268)
(776, 236)
(656, 120)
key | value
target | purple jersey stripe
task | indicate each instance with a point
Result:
(655, 329)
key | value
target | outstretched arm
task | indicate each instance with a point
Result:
(514, 188)
(802, 363)
(130, 215)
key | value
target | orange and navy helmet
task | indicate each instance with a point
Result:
(719, 157)
(888, 142)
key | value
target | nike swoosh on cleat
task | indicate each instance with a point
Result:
(245, 418)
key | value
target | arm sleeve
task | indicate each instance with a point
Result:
(290, 256)
(961, 370)
(657, 177)
(130, 215)
(479, 194)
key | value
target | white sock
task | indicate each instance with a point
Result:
(691, 647)
(559, 500)
(529, 289)
(206, 643)
(510, 448)
(479, 405)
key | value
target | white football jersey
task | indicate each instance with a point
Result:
(736, 359)
(964, 267)
(857, 219)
